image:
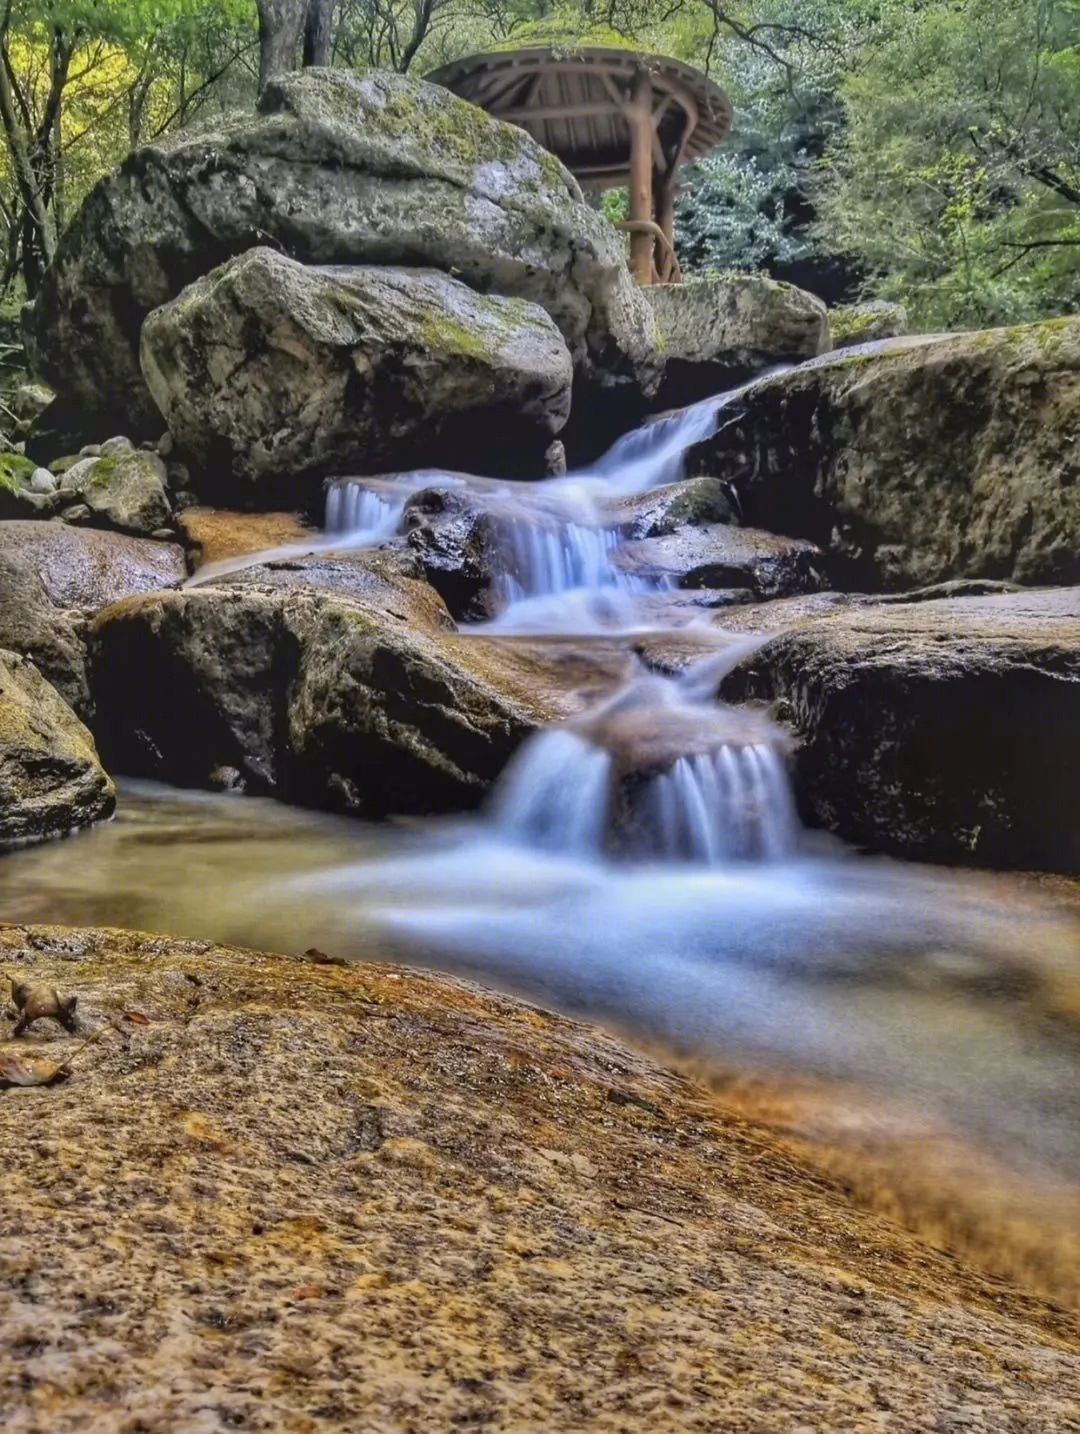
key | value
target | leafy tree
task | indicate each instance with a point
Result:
(957, 175)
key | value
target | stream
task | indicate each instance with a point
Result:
(642, 866)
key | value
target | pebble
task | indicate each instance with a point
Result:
(117, 445)
(42, 481)
(91, 450)
(76, 514)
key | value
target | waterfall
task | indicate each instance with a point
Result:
(653, 774)
(731, 804)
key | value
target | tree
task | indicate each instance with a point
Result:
(282, 25)
(957, 175)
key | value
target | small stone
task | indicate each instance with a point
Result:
(165, 444)
(73, 479)
(185, 498)
(115, 446)
(178, 475)
(76, 514)
(42, 481)
(90, 450)
(164, 535)
(555, 459)
(19, 447)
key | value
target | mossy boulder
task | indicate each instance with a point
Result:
(124, 490)
(336, 169)
(918, 460)
(51, 782)
(277, 373)
(717, 333)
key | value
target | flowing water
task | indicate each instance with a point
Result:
(642, 864)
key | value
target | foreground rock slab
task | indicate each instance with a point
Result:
(280, 372)
(51, 782)
(940, 729)
(919, 460)
(53, 578)
(277, 1194)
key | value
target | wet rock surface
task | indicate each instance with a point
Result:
(268, 1174)
(53, 577)
(919, 460)
(339, 699)
(718, 555)
(939, 729)
(51, 782)
(278, 373)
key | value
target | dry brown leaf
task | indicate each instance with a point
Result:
(137, 1018)
(27, 1071)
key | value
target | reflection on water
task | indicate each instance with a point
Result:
(954, 993)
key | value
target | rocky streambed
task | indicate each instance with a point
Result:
(651, 749)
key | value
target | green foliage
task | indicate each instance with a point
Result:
(956, 176)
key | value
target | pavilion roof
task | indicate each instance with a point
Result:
(571, 99)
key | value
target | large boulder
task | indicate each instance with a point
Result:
(51, 782)
(53, 577)
(276, 1193)
(941, 729)
(357, 700)
(922, 459)
(336, 169)
(719, 332)
(280, 373)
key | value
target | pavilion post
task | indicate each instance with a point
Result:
(639, 120)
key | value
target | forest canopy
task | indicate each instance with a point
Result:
(925, 151)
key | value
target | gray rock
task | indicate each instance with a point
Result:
(721, 556)
(274, 370)
(30, 399)
(53, 577)
(124, 490)
(42, 481)
(918, 460)
(313, 696)
(852, 324)
(337, 169)
(691, 503)
(940, 730)
(90, 450)
(51, 782)
(113, 447)
(77, 515)
(717, 333)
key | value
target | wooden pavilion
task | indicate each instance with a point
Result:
(614, 117)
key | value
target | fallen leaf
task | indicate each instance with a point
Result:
(26, 1071)
(137, 1018)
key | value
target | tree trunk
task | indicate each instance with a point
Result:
(280, 24)
(318, 26)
